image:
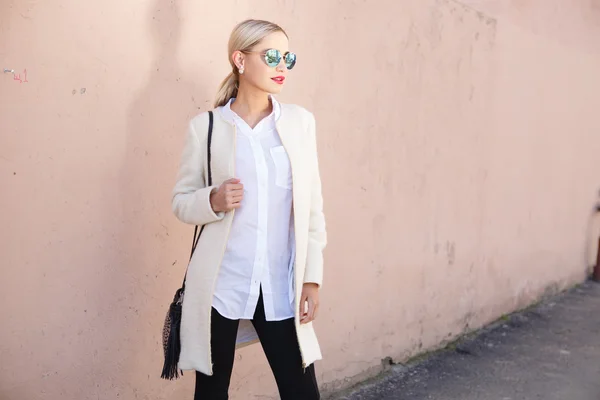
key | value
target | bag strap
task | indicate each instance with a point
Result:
(208, 161)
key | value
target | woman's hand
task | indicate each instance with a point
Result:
(228, 196)
(310, 295)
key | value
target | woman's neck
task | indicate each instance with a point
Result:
(252, 105)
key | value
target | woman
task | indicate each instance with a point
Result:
(258, 265)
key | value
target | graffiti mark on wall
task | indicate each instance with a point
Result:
(21, 78)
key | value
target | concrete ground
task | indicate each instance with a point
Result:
(550, 352)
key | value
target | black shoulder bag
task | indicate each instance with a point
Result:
(172, 326)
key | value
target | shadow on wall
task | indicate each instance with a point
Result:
(6, 11)
(149, 274)
(9, 389)
(112, 348)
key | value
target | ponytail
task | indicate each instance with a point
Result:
(227, 90)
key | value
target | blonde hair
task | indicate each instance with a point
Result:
(244, 37)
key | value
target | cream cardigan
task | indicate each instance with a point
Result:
(191, 204)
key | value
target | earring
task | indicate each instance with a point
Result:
(241, 70)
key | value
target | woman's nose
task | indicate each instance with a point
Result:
(281, 65)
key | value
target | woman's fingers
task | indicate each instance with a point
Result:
(232, 181)
(310, 295)
(228, 196)
(312, 309)
(234, 197)
(230, 187)
(303, 309)
(308, 310)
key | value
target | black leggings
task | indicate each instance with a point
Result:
(279, 342)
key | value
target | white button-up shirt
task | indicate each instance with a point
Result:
(260, 248)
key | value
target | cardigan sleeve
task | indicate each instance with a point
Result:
(191, 196)
(317, 235)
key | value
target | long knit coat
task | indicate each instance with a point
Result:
(191, 204)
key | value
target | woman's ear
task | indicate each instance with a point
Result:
(238, 59)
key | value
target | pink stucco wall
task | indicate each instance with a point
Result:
(459, 149)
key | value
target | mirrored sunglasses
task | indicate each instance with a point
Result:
(272, 58)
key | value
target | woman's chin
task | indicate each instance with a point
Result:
(274, 88)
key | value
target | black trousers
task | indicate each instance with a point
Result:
(280, 344)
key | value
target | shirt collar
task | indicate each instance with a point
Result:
(230, 115)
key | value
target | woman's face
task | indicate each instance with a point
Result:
(256, 71)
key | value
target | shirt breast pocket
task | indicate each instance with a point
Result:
(283, 169)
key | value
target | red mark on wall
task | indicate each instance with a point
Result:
(17, 77)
